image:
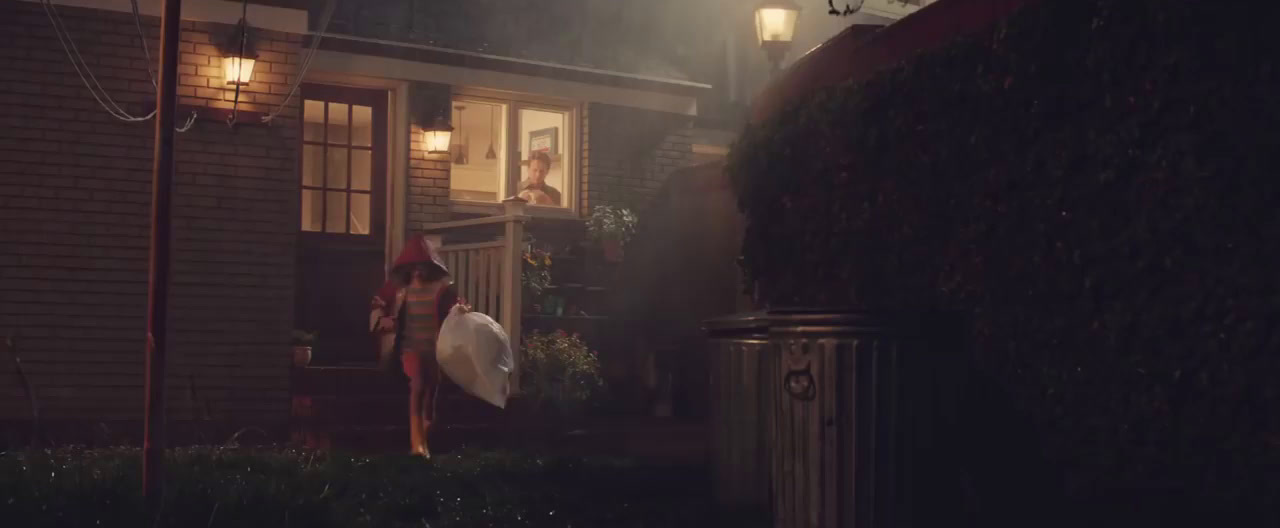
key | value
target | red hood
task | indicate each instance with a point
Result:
(417, 250)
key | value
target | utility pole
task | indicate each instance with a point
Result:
(153, 443)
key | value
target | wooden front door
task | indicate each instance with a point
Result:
(342, 227)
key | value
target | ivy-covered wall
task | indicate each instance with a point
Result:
(1097, 184)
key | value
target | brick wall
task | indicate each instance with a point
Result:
(74, 216)
(628, 153)
(428, 185)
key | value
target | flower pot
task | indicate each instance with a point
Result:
(612, 248)
(301, 356)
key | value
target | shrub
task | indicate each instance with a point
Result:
(608, 222)
(560, 373)
(233, 487)
(1098, 189)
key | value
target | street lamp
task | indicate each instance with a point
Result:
(776, 27)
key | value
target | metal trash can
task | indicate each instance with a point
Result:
(736, 375)
(860, 405)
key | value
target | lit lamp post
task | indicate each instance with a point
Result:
(436, 137)
(775, 28)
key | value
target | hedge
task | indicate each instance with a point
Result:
(1096, 184)
(212, 487)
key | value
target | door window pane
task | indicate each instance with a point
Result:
(336, 170)
(313, 120)
(361, 126)
(359, 214)
(312, 211)
(335, 212)
(338, 128)
(544, 165)
(312, 165)
(361, 169)
(479, 154)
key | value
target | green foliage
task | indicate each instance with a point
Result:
(611, 222)
(303, 338)
(536, 271)
(217, 487)
(1094, 182)
(560, 372)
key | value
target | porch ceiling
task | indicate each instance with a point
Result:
(481, 72)
(428, 54)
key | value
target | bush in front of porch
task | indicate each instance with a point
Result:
(209, 486)
(1094, 183)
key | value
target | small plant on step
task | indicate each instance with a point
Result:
(611, 223)
(560, 372)
(302, 338)
(612, 227)
(536, 275)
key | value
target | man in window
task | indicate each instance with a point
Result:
(535, 189)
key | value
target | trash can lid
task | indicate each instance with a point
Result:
(748, 322)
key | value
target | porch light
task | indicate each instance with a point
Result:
(776, 27)
(436, 137)
(238, 70)
(239, 54)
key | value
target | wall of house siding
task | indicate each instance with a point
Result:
(75, 188)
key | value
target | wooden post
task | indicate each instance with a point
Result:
(513, 255)
(162, 169)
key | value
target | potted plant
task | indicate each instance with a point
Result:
(536, 274)
(561, 376)
(302, 343)
(612, 226)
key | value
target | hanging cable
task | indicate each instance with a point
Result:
(191, 120)
(146, 51)
(239, 64)
(69, 46)
(82, 68)
(330, 7)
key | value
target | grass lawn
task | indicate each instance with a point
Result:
(209, 487)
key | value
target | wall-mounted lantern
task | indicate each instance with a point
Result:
(436, 137)
(776, 27)
(239, 55)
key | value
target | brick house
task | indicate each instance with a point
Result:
(291, 224)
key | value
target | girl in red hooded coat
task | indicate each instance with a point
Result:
(407, 314)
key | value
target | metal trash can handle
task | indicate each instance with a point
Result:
(800, 384)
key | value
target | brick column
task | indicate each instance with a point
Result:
(428, 185)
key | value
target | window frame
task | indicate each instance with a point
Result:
(572, 163)
(350, 96)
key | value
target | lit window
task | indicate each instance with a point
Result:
(540, 166)
(478, 153)
(545, 168)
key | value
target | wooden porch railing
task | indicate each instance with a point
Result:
(487, 273)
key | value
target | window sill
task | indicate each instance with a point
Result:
(494, 209)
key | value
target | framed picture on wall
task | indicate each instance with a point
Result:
(545, 140)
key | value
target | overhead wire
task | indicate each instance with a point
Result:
(99, 93)
(73, 52)
(325, 18)
(103, 98)
(142, 36)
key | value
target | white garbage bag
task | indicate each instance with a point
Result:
(475, 352)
